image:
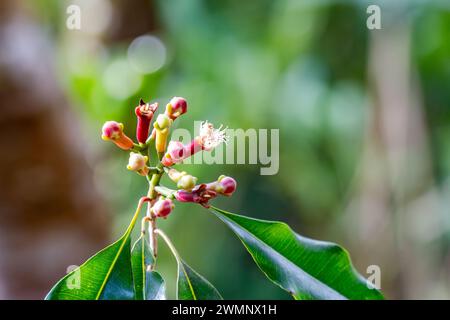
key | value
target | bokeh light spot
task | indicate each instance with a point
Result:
(146, 54)
(120, 81)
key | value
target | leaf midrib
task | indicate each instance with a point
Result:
(281, 255)
(144, 274)
(180, 263)
(119, 252)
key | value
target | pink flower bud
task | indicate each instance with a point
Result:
(163, 207)
(175, 153)
(224, 186)
(208, 139)
(166, 161)
(176, 107)
(200, 194)
(138, 163)
(176, 150)
(194, 146)
(186, 196)
(113, 131)
(144, 112)
(227, 185)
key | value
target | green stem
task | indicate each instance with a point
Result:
(177, 257)
(153, 170)
(169, 244)
(139, 147)
(153, 183)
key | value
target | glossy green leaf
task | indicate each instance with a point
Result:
(155, 287)
(148, 285)
(192, 286)
(306, 268)
(105, 276)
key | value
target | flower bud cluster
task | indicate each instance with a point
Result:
(169, 153)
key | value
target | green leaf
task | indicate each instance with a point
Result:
(148, 285)
(155, 288)
(139, 254)
(105, 276)
(306, 268)
(192, 286)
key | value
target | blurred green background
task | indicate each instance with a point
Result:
(363, 116)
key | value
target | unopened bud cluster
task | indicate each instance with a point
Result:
(170, 153)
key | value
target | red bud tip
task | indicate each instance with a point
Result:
(144, 112)
(176, 107)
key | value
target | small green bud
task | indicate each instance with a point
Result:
(186, 182)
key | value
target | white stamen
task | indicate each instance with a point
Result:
(211, 137)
